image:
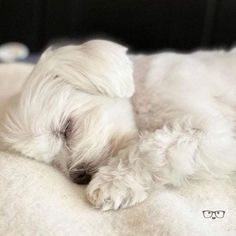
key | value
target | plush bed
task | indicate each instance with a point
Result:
(36, 199)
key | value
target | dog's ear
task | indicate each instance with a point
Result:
(109, 68)
(97, 67)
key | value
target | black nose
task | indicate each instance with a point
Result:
(80, 176)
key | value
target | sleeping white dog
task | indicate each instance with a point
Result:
(84, 110)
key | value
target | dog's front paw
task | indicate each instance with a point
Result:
(113, 192)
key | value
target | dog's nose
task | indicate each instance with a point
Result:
(80, 176)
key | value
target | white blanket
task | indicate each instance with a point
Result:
(36, 199)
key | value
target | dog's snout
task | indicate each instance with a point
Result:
(80, 176)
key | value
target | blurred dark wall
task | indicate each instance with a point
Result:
(143, 25)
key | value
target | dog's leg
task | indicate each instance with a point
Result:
(123, 182)
(168, 156)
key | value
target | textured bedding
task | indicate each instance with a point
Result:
(36, 199)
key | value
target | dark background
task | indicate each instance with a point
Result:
(143, 25)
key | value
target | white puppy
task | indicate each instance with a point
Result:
(78, 110)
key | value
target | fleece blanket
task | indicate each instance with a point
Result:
(36, 199)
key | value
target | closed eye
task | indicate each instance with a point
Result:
(67, 130)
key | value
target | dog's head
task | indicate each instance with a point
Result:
(74, 109)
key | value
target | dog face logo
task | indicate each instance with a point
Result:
(213, 214)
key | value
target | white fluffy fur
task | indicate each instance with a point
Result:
(184, 107)
(71, 91)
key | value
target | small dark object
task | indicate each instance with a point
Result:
(80, 176)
